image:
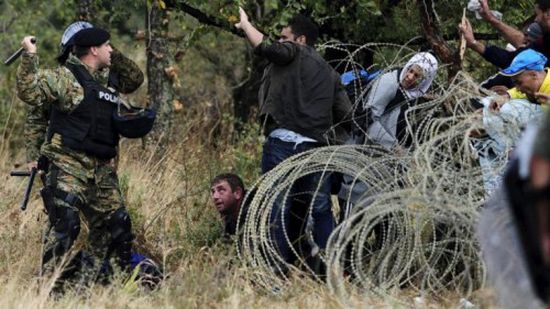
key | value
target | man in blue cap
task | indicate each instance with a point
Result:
(533, 82)
(530, 76)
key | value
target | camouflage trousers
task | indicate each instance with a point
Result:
(75, 201)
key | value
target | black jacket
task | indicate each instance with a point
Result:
(503, 58)
(300, 91)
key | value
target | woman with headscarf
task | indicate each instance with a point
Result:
(389, 97)
(392, 94)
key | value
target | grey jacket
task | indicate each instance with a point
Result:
(385, 103)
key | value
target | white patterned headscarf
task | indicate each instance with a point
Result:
(428, 64)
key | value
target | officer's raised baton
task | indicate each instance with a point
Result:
(18, 53)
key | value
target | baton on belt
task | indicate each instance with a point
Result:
(42, 166)
(30, 174)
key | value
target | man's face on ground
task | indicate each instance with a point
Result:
(528, 82)
(543, 18)
(225, 199)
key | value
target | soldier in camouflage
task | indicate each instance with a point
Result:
(81, 144)
(123, 73)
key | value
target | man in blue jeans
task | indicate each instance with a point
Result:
(301, 100)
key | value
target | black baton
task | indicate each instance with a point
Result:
(32, 173)
(18, 53)
(20, 174)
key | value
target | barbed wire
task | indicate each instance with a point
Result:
(414, 224)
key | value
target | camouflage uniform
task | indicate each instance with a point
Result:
(129, 79)
(82, 185)
(36, 126)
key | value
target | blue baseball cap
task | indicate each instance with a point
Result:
(526, 60)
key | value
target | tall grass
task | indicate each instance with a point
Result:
(174, 222)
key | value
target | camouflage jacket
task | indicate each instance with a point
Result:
(129, 78)
(36, 127)
(58, 88)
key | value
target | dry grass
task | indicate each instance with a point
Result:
(175, 224)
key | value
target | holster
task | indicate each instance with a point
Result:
(48, 199)
(43, 164)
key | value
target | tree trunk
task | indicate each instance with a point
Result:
(432, 33)
(245, 96)
(85, 10)
(161, 75)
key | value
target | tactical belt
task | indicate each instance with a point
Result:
(70, 198)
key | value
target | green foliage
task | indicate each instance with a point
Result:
(248, 149)
(19, 18)
(211, 59)
(359, 21)
(206, 230)
(41, 19)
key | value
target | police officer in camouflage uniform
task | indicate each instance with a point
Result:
(123, 73)
(80, 145)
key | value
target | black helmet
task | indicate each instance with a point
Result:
(133, 122)
(67, 39)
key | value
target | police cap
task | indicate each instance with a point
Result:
(67, 40)
(91, 37)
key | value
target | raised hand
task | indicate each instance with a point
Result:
(466, 29)
(243, 19)
(485, 11)
(28, 43)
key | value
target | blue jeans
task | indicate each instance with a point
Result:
(274, 152)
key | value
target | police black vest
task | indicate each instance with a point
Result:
(89, 127)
